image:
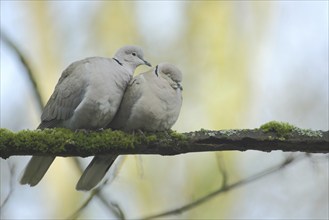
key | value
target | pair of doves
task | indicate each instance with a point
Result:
(99, 92)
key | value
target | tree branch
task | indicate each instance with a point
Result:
(63, 142)
(24, 61)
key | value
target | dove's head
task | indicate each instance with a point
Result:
(171, 73)
(131, 56)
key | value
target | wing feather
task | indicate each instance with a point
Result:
(68, 94)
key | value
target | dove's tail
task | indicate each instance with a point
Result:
(36, 169)
(95, 172)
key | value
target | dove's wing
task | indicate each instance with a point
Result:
(68, 94)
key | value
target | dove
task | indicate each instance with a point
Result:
(87, 96)
(152, 102)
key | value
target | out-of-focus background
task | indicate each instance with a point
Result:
(244, 63)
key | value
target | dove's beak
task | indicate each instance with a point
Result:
(147, 63)
(180, 86)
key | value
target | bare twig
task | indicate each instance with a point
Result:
(226, 188)
(12, 169)
(114, 208)
(27, 67)
(77, 213)
(222, 169)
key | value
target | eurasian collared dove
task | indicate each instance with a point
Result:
(87, 96)
(152, 102)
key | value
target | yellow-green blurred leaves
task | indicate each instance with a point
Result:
(114, 25)
(219, 55)
(44, 41)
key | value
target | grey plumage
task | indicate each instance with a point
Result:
(152, 102)
(87, 96)
(36, 169)
(99, 164)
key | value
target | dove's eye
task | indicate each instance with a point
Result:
(134, 54)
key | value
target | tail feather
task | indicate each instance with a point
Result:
(36, 169)
(95, 172)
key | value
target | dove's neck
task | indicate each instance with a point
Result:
(130, 67)
(127, 65)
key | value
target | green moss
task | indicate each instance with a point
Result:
(164, 138)
(96, 141)
(178, 136)
(47, 140)
(58, 140)
(151, 138)
(282, 129)
(6, 136)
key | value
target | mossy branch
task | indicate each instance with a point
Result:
(63, 142)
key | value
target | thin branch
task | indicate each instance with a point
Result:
(26, 65)
(12, 168)
(226, 188)
(222, 168)
(113, 207)
(97, 192)
(77, 213)
(63, 142)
